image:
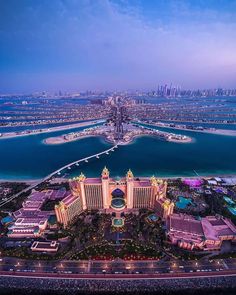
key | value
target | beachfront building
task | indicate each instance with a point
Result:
(164, 207)
(98, 193)
(206, 233)
(68, 209)
(30, 221)
(27, 227)
(109, 194)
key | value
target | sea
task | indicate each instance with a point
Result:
(27, 158)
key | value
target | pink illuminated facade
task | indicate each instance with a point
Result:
(207, 233)
(192, 182)
(30, 221)
(99, 193)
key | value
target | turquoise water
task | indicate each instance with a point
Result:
(231, 205)
(153, 217)
(229, 201)
(232, 210)
(117, 203)
(118, 222)
(28, 158)
(183, 202)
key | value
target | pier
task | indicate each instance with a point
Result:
(196, 172)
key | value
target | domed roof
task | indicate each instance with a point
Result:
(117, 193)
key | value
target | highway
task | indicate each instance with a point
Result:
(135, 276)
(90, 268)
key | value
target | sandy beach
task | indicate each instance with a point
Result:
(226, 132)
(48, 130)
(61, 140)
(196, 122)
(59, 180)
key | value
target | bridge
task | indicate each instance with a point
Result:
(76, 163)
(59, 171)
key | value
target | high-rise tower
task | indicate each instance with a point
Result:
(105, 187)
(130, 186)
(81, 180)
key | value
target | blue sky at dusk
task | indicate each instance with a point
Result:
(80, 44)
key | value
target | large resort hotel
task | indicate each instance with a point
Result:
(116, 196)
(110, 195)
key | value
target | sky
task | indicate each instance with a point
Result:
(76, 45)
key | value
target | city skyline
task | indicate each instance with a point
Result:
(116, 45)
(165, 90)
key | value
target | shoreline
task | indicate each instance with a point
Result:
(190, 140)
(8, 135)
(206, 176)
(49, 123)
(195, 122)
(63, 141)
(60, 140)
(16, 180)
(224, 132)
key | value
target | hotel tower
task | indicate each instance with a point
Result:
(110, 194)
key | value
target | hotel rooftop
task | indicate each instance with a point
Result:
(205, 234)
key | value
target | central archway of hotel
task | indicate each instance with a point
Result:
(118, 200)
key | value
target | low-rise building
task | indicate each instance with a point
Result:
(24, 232)
(50, 247)
(68, 209)
(206, 233)
(30, 220)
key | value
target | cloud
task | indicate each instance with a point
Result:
(116, 44)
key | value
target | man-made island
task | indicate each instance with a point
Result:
(130, 132)
(47, 130)
(118, 130)
(191, 128)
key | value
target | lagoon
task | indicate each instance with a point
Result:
(28, 158)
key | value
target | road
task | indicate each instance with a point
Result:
(91, 268)
(57, 173)
(118, 276)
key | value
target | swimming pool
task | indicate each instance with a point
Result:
(183, 202)
(229, 201)
(232, 210)
(118, 222)
(152, 218)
